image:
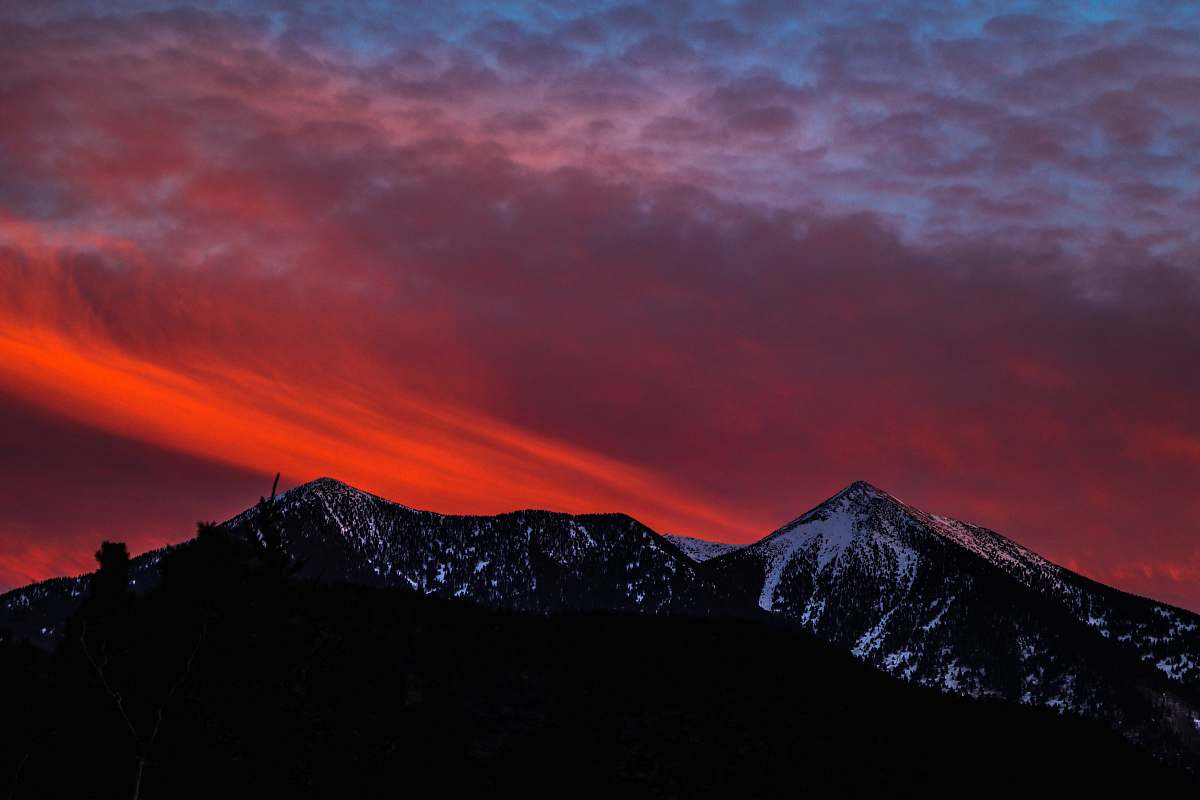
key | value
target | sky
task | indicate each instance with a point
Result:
(703, 263)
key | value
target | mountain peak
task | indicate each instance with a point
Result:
(327, 488)
(324, 482)
(701, 549)
(857, 497)
(862, 489)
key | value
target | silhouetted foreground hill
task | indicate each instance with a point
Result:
(237, 680)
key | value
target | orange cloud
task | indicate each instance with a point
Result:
(392, 442)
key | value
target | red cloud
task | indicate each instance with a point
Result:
(248, 257)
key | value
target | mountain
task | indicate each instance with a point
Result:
(867, 566)
(528, 560)
(929, 600)
(700, 549)
(946, 604)
(525, 560)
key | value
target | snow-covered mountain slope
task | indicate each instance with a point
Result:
(532, 560)
(700, 549)
(957, 607)
(525, 559)
(1162, 635)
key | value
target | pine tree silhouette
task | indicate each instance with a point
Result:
(103, 632)
(112, 579)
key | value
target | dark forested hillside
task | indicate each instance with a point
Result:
(235, 678)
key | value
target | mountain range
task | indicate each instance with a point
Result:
(927, 599)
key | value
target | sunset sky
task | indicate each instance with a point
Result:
(703, 263)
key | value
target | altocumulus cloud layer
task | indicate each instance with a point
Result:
(704, 263)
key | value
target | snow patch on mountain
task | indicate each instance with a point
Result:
(823, 537)
(700, 549)
(870, 641)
